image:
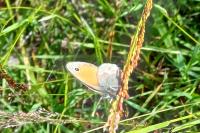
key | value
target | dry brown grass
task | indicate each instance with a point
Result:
(116, 110)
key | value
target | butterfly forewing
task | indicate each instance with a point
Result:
(86, 73)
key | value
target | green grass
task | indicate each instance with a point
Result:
(37, 39)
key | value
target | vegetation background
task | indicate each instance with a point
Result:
(37, 39)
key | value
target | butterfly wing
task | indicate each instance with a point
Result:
(109, 78)
(86, 73)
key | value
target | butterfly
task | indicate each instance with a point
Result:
(105, 79)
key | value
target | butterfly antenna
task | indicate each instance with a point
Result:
(95, 109)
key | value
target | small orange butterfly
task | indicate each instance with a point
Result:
(104, 79)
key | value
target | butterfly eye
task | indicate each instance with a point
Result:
(76, 69)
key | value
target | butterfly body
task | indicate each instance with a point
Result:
(104, 79)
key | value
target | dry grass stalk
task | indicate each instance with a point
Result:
(111, 37)
(41, 115)
(11, 82)
(131, 63)
(112, 30)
